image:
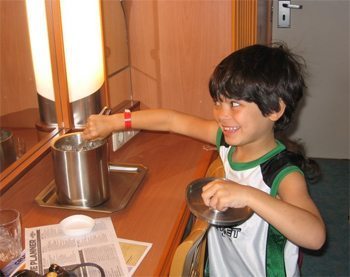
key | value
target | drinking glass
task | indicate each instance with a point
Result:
(20, 146)
(10, 236)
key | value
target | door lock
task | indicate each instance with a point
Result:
(284, 15)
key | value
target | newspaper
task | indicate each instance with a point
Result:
(134, 252)
(46, 245)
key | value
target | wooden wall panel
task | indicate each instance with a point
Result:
(17, 83)
(119, 87)
(115, 36)
(174, 47)
(244, 23)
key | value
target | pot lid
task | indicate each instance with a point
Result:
(232, 216)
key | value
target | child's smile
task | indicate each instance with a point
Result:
(227, 130)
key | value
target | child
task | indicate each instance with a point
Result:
(255, 91)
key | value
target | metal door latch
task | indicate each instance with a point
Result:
(284, 8)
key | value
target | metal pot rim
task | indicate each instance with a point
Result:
(9, 135)
(54, 141)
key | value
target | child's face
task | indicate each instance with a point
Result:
(242, 122)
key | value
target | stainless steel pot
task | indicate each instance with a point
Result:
(81, 175)
(7, 149)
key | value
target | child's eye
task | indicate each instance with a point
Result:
(234, 104)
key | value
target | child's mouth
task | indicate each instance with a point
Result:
(230, 129)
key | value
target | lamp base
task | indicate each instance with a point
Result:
(85, 107)
(47, 110)
(43, 129)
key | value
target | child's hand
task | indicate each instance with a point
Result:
(222, 194)
(98, 127)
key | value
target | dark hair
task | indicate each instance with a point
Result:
(263, 75)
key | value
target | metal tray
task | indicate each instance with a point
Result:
(124, 179)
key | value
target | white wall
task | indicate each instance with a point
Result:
(320, 33)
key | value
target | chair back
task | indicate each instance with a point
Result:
(190, 256)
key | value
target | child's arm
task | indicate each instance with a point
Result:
(293, 213)
(99, 126)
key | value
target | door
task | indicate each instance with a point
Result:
(319, 32)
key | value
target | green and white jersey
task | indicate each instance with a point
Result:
(254, 248)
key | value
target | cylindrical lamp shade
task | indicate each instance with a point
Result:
(39, 42)
(83, 50)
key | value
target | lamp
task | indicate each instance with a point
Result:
(39, 43)
(83, 49)
(83, 54)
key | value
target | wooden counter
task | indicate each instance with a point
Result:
(156, 213)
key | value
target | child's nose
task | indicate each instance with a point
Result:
(223, 112)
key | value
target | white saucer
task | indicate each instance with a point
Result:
(77, 225)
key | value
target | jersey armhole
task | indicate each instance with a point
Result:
(280, 176)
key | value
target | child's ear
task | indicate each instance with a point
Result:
(276, 115)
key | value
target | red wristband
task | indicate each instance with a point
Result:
(127, 119)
